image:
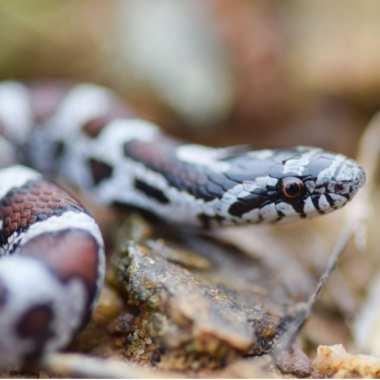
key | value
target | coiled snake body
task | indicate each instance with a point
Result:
(53, 266)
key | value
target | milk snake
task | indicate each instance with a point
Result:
(53, 266)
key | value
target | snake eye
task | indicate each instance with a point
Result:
(291, 188)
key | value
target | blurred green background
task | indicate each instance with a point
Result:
(265, 72)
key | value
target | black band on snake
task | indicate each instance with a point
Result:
(53, 265)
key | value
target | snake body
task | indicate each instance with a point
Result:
(53, 266)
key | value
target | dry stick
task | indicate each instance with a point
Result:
(368, 156)
(306, 309)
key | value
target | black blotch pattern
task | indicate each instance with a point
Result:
(329, 199)
(151, 192)
(240, 208)
(273, 196)
(100, 170)
(315, 199)
(246, 204)
(299, 206)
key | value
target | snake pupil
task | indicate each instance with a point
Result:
(292, 189)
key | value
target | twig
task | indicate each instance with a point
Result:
(306, 309)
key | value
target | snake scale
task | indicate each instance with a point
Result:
(53, 262)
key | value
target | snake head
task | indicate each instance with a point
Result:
(311, 181)
(288, 185)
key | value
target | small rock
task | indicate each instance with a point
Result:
(295, 362)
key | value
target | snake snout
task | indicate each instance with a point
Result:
(331, 181)
(349, 178)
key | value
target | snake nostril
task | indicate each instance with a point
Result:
(338, 188)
